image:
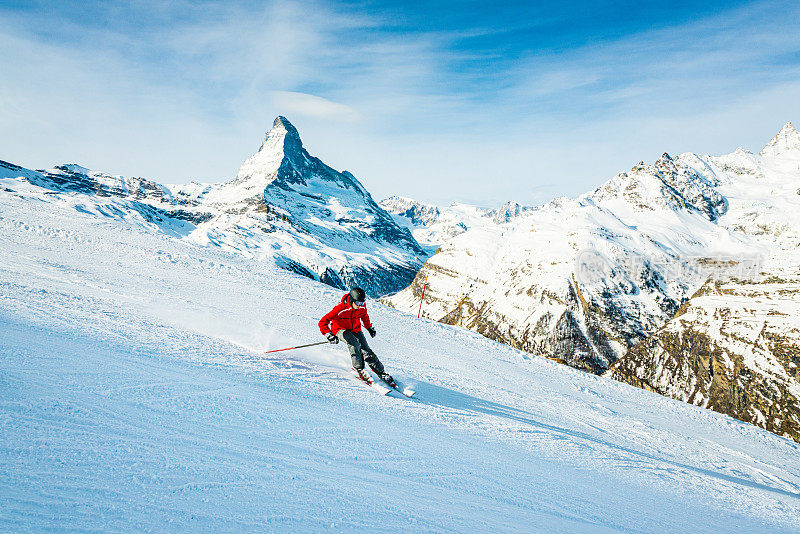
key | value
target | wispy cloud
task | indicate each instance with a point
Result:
(313, 106)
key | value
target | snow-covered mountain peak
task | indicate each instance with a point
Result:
(283, 164)
(73, 167)
(285, 206)
(433, 226)
(281, 142)
(76, 178)
(668, 184)
(156, 348)
(318, 221)
(416, 212)
(282, 123)
(282, 159)
(585, 280)
(786, 143)
(508, 211)
(665, 159)
(283, 137)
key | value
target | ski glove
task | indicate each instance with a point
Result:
(371, 331)
(332, 338)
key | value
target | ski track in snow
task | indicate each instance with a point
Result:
(133, 397)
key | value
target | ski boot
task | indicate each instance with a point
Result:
(386, 377)
(362, 374)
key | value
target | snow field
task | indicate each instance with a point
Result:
(133, 397)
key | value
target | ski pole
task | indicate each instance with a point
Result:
(297, 347)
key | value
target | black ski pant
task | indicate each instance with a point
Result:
(360, 351)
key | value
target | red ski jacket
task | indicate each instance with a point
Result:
(344, 317)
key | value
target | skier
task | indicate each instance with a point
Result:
(343, 322)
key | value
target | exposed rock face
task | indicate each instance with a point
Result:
(613, 280)
(734, 348)
(680, 277)
(284, 205)
(152, 201)
(508, 211)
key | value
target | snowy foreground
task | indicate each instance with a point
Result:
(133, 397)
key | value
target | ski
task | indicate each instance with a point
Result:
(400, 388)
(408, 392)
(366, 379)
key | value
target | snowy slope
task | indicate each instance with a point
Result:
(284, 206)
(134, 398)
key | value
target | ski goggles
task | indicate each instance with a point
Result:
(358, 302)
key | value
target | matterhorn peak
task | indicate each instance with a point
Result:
(283, 137)
(281, 142)
(282, 125)
(787, 142)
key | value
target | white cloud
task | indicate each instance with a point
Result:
(313, 106)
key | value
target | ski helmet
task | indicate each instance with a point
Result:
(357, 295)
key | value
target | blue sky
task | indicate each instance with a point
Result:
(444, 101)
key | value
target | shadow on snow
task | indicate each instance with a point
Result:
(432, 395)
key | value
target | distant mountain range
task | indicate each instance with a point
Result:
(432, 225)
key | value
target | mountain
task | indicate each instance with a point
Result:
(734, 346)
(516, 281)
(677, 276)
(588, 281)
(135, 395)
(284, 206)
(432, 226)
(785, 144)
(312, 219)
(133, 200)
